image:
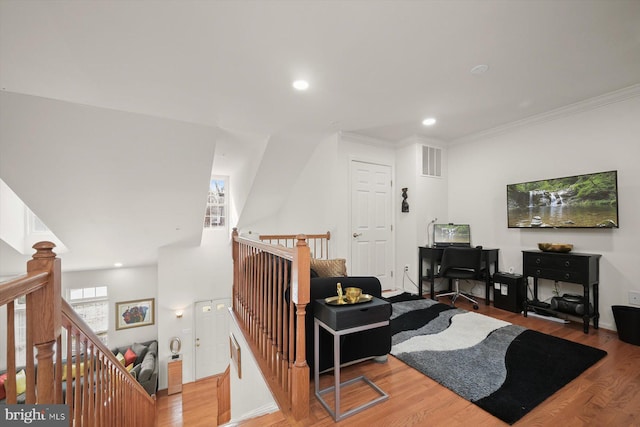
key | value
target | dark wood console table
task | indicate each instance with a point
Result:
(434, 256)
(583, 269)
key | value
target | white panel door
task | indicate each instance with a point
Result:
(371, 246)
(212, 342)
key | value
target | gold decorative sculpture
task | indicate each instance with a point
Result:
(340, 297)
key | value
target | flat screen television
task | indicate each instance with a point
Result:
(581, 201)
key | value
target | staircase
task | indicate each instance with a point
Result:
(66, 363)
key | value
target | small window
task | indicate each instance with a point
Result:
(34, 223)
(216, 212)
(75, 294)
(20, 322)
(92, 305)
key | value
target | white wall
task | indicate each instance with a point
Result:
(427, 198)
(407, 238)
(238, 156)
(473, 190)
(311, 206)
(600, 139)
(319, 200)
(12, 218)
(123, 284)
(280, 165)
(187, 275)
(308, 202)
(250, 395)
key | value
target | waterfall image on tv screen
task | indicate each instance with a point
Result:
(581, 201)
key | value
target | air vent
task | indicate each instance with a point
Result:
(431, 161)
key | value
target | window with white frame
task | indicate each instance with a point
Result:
(216, 212)
(35, 224)
(20, 328)
(92, 305)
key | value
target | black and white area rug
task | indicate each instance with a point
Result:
(505, 369)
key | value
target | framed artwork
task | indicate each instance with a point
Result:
(132, 314)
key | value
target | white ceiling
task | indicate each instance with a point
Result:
(375, 67)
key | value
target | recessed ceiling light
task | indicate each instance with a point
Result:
(117, 264)
(429, 121)
(301, 85)
(480, 69)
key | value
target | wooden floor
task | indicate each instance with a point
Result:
(607, 394)
(196, 406)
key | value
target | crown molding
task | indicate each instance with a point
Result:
(568, 110)
(363, 139)
(421, 140)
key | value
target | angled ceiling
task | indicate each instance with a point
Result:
(113, 186)
(375, 67)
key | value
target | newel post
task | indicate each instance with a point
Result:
(300, 281)
(44, 308)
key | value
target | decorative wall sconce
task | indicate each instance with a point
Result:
(179, 314)
(405, 205)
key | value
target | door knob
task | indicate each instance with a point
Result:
(356, 235)
(197, 342)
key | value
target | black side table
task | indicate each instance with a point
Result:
(343, 320)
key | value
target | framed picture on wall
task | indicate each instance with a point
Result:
(132, 314)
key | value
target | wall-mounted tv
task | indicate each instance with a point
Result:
(581, 201)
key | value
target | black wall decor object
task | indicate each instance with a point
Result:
(405, 205)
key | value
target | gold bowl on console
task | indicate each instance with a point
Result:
(352, 294)
(555, 247)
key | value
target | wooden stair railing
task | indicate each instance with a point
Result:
(117, 398)
(97, 388)
(318, 243)
(223, 393)
(41, 289)
(273, 325)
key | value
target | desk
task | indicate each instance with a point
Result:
(339, 321)
(434, 256)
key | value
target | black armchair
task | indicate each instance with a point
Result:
(461, 263)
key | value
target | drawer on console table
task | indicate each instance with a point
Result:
(551, 274)
(574, 268)
(556, 261)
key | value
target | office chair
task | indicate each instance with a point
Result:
(461, 263)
